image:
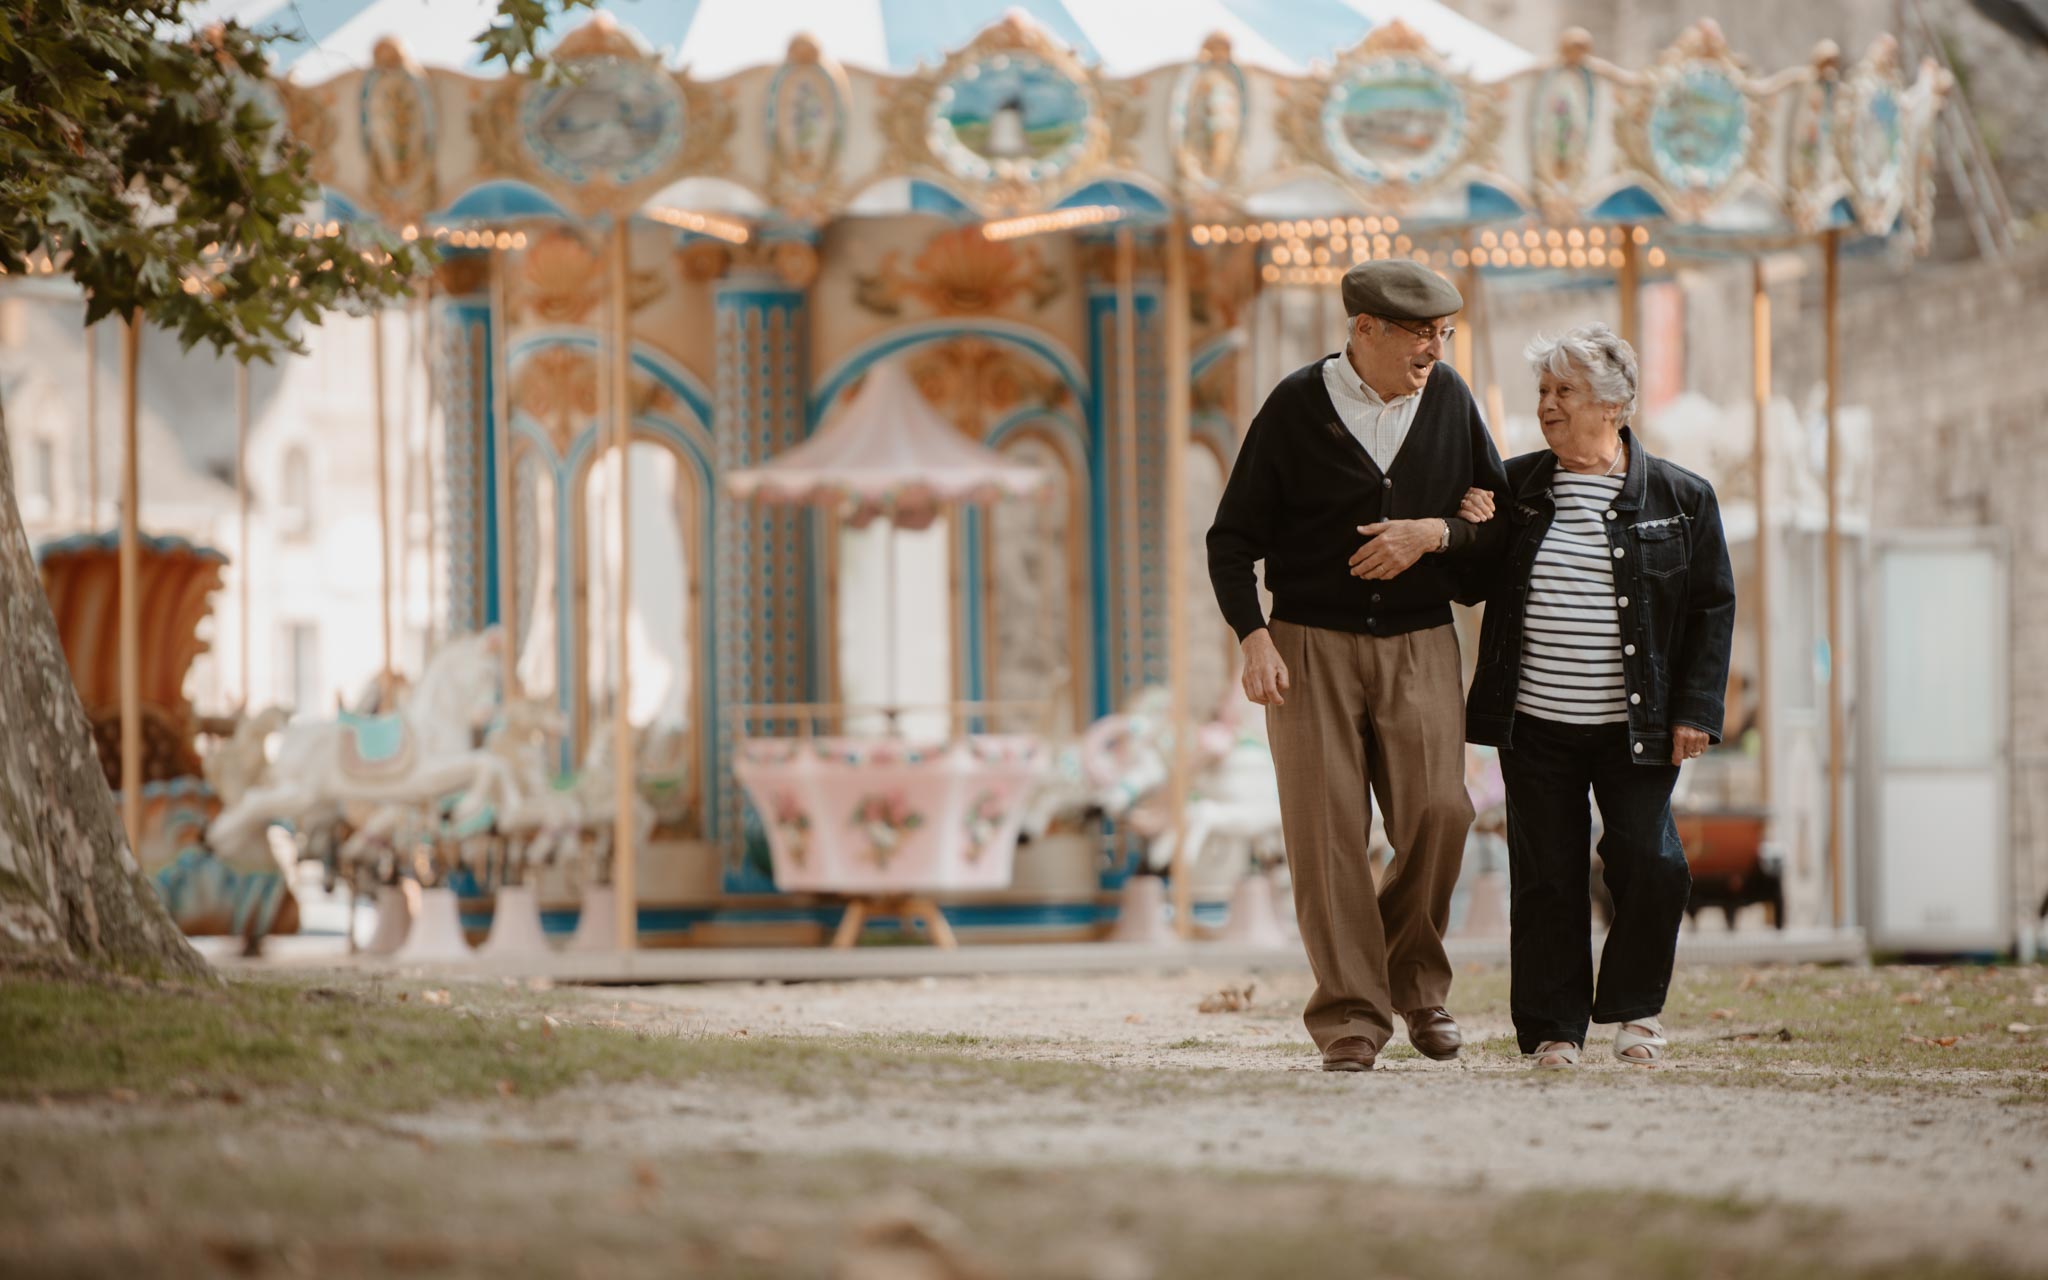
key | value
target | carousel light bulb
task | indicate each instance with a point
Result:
(1372, 226)
(1575, 238)
(1553, 238)
(1200, 234)
(1460, 258)
(1393, 225)
(1597, 257)
(1578, 258)
(1656, 257)
(1519, 258)
(1354, 225)
(519, 240)
(1237, 235)
(1269, 273)
(1269, 230)
(1531, 238)
(1641, 235)
(1322, 256)
(1539, 258)
(1403, 244)
(1488, 240)
(1381, 245)
(1598, 235)
(1320, 227)
(1283, 255)
(411, 233)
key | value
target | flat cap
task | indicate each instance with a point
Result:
(1398, 289)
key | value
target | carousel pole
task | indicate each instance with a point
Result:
(1178, 412)
(384, 675)
(131, 589)
(625, 897)
(1127, 444)
(242, 524)
(501, 434)
(1628, 281)
(1830, 302)
(92, 426)
(1760, 379)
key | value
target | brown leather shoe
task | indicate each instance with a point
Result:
(1433, 1034)
(1352, 1053)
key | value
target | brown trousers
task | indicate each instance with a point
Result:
(1385, 712)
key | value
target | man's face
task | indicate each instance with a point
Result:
(1398, 353)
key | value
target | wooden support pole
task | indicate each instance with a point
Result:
(429, 444)
(1837, 736)
(625, 893)
(92, 427)
(131, 587)
(242, 591)
(381, 417)
(1628, 282)
(1760, 381)
(1174, 333)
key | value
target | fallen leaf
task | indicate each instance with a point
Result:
(740, 1033)
(434, 997)
(1134, 1018)
(540, 984)
(507, 1089)
(646, 1175)
(1909, 997)
(1228, 1000)
(1947, 1042)
(1722, 1015)
(124, 1096)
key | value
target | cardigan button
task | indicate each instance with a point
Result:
(1387, 483)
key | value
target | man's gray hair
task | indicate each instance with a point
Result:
(1593, 352)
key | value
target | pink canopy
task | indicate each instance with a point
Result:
(888, 451)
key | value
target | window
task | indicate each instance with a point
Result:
(40, 492)
(296, 501)
(298, 677)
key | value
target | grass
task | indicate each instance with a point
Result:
(294, 1200)
(378, 1048)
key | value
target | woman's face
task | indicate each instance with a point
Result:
(1572, 420)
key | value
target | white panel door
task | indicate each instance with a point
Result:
(1941, 879)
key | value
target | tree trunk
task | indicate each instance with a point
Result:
(70, 889)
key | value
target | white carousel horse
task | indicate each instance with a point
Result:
(414, 756)
(1234, 793)
(239, 764)
(1106, 769)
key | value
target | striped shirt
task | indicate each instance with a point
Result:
(1571, 638)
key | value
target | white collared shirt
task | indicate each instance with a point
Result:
(1380, 425)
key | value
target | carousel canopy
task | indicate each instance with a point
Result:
(887, 452)
(1305, 120)
(718, 37)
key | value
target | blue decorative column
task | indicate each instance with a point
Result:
(1130, 650)
(760, 586)
(462, 383)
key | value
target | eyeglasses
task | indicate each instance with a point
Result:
(1428, 335)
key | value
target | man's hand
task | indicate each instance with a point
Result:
(1476, 507)
(1395, 545)
(1686, 743)
(1265, 675)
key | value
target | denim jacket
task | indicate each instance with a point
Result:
(1674, 589)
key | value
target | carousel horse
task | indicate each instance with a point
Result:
(240, 764)
(413, 756)
(1102, 772)
(1233, 794)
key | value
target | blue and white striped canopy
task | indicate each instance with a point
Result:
(717, 37)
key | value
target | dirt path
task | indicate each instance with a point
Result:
(1941, 1159)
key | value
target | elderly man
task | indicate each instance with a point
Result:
(1358, 669)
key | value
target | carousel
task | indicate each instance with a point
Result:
(831, 404)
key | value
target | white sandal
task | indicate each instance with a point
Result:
(1630, 1036)
(1564, 1053)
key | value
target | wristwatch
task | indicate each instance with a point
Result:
(1445, 545)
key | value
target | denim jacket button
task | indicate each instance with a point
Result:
(1622, 603)
(1610, 515)
(1638, 748)
(1629, 649)
(1618, 553)
(1635, 699)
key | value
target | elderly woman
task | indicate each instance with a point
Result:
(1602, 665)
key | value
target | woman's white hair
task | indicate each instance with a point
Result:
(1593, 352)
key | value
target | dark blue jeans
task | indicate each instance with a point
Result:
(1548, 772)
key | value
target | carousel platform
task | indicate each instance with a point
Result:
(825, 964)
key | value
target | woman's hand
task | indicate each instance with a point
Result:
(1687, 743)
(1476, 507)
